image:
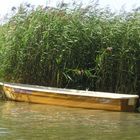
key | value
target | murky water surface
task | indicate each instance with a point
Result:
(23, 121)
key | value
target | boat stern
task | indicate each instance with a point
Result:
(129, 105)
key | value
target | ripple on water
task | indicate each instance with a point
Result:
(31, 121)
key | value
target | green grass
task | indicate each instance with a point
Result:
(81, 48)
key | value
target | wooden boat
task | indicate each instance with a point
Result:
(69, 97)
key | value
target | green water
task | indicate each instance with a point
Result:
(23, 121)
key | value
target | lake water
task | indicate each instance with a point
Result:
(23, 121)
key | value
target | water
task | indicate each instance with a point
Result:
(23, 121)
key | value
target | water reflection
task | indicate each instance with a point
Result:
(34, 121)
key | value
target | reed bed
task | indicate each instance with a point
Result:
(82, 48)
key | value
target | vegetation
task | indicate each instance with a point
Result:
(82, 48)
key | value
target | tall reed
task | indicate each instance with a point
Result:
(80, 48)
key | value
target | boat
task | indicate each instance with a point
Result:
(69, 97)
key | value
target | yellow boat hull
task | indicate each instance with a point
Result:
(70, 100)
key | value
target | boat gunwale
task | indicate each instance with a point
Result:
(64, 91)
